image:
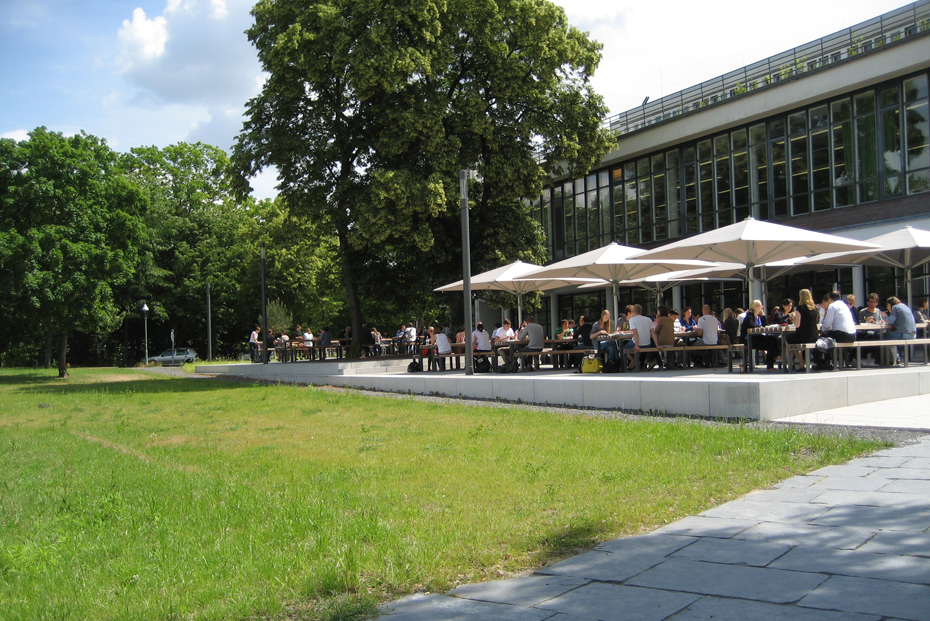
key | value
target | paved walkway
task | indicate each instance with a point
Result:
(903, 413)
(843, 543)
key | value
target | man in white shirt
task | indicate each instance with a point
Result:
(707, 331)
(504, 333)
(641, 326)
(837, 323)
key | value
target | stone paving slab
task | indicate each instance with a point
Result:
(704, 526)
(766, 511)
(733, 551)
(897, 518)
(880, 597)
(768, 585)
(909, 487)
(881, 461)
(915, 474)
(873, 499)
(850, 484)
(919, 462)
(845, 470)
(527, 591)
(652, 544)
(858, 564)
(798, 481)
(603, 566)
(610, 602)
(720, 609)
(899, 542)
(839, 537)
(434, 607)
(784, 494)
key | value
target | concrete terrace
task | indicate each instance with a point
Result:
(699, 392)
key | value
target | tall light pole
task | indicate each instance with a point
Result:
(145, 313)
(466, 272)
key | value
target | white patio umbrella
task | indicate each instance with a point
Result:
(613, 264)
(907, 248)
(755, 242)
(509, 278)
(660, 283)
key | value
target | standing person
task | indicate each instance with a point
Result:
(253, 338)
(755, 318)
(838, 325)
(325, 340)
(902, 318)
(805, 323)
(376, 339)
(410, 338)
(535, 337)
(599, 336)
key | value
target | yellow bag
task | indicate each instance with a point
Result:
(591, 364)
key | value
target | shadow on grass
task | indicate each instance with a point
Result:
(137, 386)
(561, 544)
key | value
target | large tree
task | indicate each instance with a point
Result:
(370, 109)
(69, 234)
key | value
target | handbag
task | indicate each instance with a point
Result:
(591, 364)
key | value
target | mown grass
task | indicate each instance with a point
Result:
(126, 495)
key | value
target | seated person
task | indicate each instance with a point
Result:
(535, 338)
(805, 323)
(708, 333)
(782, 315)
(902, 319)
(641, 326)
(663, 334)
(837, 324)
(503, 332)
(755, 318)
(599, 337)
(870, 314)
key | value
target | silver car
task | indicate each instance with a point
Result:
(173, 357)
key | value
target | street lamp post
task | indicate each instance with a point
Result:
(464, 175)
(145, 313)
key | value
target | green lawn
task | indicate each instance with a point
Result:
(128, 495)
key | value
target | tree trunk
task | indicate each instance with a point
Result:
(126, 340)
(355, 310)
(62, 356)
(48, 344)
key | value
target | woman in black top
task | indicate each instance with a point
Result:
(755, 318)
(805, 322)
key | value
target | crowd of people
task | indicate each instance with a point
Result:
(834, 317)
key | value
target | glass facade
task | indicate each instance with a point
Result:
(858, 148)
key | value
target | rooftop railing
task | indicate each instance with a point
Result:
(868, 37)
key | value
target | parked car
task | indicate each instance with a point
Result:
(174, 357)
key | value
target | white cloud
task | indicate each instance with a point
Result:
(219, 9)
(141, 39)
(17, 135)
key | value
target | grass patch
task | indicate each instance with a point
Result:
(125, 494)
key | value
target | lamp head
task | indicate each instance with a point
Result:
(145, 308)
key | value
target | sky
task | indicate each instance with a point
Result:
(158, 72)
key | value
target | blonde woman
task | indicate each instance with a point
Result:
(805, 323)
(599, 334)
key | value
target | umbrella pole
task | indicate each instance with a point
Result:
(519, 309)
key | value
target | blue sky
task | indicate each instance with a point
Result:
(156, 72)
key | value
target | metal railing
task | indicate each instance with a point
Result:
(868, 37)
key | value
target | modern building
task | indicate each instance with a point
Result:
(830, 136)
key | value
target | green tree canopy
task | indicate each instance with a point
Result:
(69, 233)
(370, 109)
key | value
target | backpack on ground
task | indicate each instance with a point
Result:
(509, 367)
(591, 364)
(482, 365)
(612, 366)
(414, 367)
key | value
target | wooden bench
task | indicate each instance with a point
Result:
(807, 348)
